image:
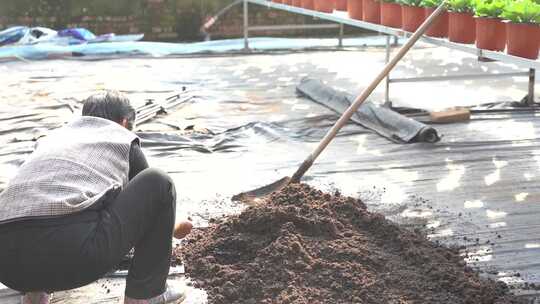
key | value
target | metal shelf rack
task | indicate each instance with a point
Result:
(341, 18)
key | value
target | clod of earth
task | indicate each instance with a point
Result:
(305, 246)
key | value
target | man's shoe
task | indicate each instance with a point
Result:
(171, 295)
(36, 298)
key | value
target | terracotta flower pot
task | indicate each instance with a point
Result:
(391, 14)
(523, 39)
(354, 8)
(490, 34)
(277, 1)
(439, 28)
(308, 4)
(297, 3)
(461, 28)
(341, 5)
(325, 6)
(412, 17)
(288, 2)
(371, 11)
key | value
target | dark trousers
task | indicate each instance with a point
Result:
(75, 250)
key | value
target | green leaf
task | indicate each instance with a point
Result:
(460, 6)
(489, 8)
(411, 2)
(431, 3)
(522, 11)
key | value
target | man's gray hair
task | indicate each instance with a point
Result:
(111, 105)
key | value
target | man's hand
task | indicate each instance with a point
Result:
(182, 229)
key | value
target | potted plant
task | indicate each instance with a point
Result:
(461, 26)
(297, 3)
(490, 30)
(308, 4)
(391, 13)
(523, 29)
(371, 11)
(439, 28)
(354, 8)
(325, 6)
(412, 15)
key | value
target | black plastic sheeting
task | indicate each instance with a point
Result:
(384, 121)
(479, 186)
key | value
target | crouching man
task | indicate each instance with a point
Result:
(81, 202)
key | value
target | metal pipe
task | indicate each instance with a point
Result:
(458, 77)
(291, 27)
(532, 82)
(246, 26)
(387, 102)
(340, 39)
(467, 48)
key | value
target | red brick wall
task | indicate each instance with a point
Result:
(175, 20)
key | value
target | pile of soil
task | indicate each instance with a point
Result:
(305, 246)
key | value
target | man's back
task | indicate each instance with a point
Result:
(70, 170)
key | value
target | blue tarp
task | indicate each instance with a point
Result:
(24, 35)
(159, 49)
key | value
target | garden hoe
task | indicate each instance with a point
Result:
(254, 196)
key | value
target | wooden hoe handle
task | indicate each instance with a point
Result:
(365, 94)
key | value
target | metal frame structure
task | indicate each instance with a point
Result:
(341, 18)
(248, 28)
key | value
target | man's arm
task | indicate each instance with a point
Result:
(137, 160)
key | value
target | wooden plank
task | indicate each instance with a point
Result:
(451, 115)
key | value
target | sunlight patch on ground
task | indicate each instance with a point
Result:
(520, 197)
(401, 175)
(415, 213)
(442, 233)
(393, 195)
(433, 224)
(342, 163)
(511, 279)
(492, 178)
(473, 204)
(484, 254)
(497, 225)
(452, 180)
(499, 164)
(495, 214)
(528, 176)
(364, 150)
(507, 129)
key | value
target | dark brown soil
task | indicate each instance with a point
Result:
(305, 246)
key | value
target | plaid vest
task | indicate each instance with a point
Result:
(70, 170)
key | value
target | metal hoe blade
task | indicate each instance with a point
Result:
(255, 196)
